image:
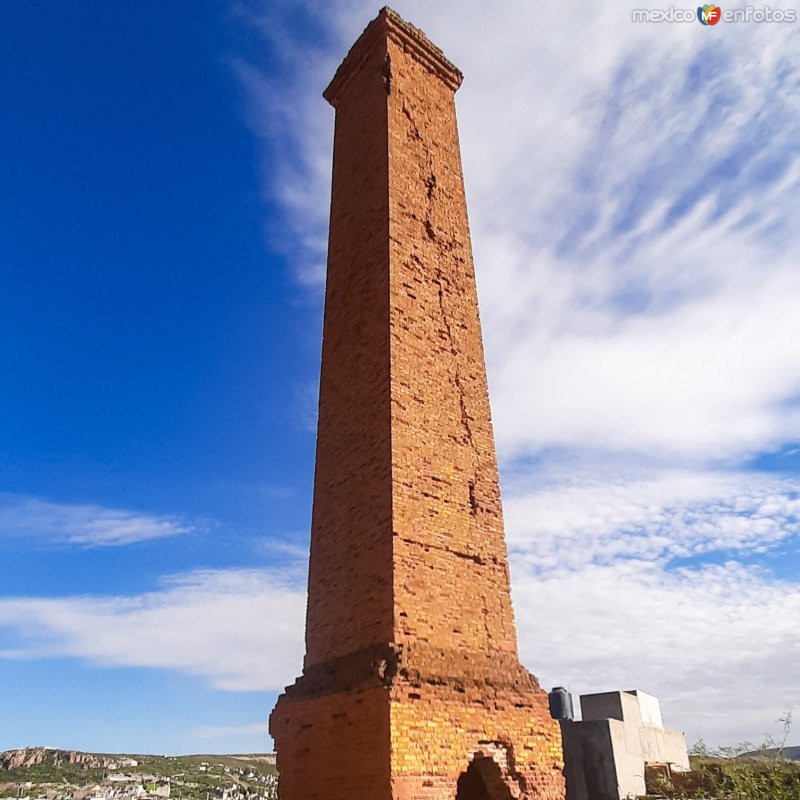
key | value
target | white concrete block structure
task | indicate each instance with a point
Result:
(605, 753)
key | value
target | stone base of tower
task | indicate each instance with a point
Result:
(331, 730)
(417, 724)
(473, 727)
(333, 746)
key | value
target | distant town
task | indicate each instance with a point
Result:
(42, 773)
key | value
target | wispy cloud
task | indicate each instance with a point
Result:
(706, 641)
(290, 545)
(583, 519)
(242, 630)
(630, 189)
(633, 233)
(618, 580)
(224, 731)
(86, 525)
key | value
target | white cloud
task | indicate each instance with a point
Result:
(290, 545)
(600, 603)
(224, 731)
(240, 629)
(710, 376)
(641, 582)
(630, 191)
(295, 172)
(578, 520)
(87, 525)
(718, 645)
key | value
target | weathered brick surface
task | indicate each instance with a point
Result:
(446, 501)
(411, 672)
(333, 745)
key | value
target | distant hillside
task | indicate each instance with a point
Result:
(789, 753)
(73, 775)
(29, 757)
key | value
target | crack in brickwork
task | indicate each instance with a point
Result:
(444, 249)
(458, 554)
(387, 74)
(413, 129)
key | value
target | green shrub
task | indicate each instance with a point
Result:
(737, 773)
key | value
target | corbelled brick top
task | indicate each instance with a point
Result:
(390, 25)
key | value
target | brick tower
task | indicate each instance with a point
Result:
(411, 687)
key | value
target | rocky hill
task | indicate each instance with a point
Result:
(31, 756)
(789, 753)
(52, 774)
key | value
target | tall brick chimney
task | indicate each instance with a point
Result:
(411, 687)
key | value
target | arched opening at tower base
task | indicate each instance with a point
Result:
(482, 781)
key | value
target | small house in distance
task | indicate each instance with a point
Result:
(605, 753)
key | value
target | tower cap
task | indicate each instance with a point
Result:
(389, 25)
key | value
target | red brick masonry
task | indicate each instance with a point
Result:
(411, 670)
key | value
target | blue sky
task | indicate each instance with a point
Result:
(162, 238)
